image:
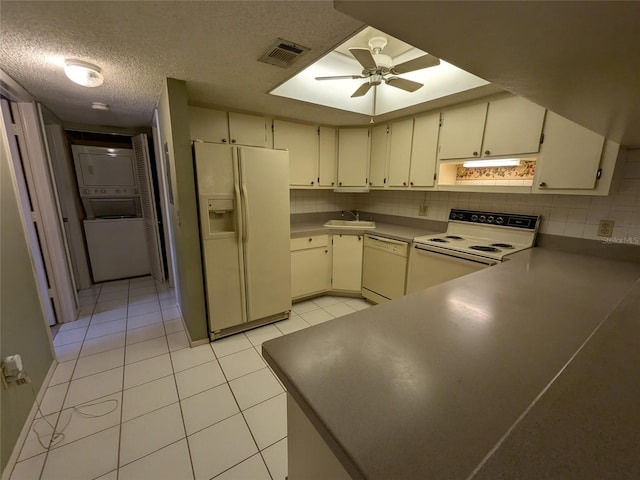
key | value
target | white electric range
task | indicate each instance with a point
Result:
(474, 240)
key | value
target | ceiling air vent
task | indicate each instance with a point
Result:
(282, 53)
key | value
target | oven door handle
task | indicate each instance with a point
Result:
(456, 255)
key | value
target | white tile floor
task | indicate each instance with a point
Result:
(133, 401)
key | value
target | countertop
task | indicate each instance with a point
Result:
(525, 370)
(388, 230)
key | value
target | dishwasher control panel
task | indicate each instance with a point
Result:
(389, 245)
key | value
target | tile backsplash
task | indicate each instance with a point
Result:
(567, 215)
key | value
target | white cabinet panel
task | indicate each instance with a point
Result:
(327, 157)
(462, 130)
(208, 125)
(347, 262)
(302, 143)
(425, 150)
(353, 157)
(250, 130)
(310, 271)
(570, 155)
(400, 153)
(379, 155)
(513, 127)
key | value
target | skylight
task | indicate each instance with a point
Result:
(439, 81)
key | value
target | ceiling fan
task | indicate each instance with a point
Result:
(378, 68)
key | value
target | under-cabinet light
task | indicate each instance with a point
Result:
(496, 162)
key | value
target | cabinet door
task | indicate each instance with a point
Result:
(310, 271)
(302, 143)
(353, 157)
(327, 157)
(249, 130)
(400, 153)
(513, 127)
(378, 165)
(424, 151)
(347, 263)
(570, 155)
(461, 132)
(208, 125)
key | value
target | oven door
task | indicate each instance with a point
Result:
(430, 266)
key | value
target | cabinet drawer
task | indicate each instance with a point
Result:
(314, 241)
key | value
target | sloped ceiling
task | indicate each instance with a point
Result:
(212, 45)
(578, 59)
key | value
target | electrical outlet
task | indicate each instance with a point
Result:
(605, 229)
(422, 210)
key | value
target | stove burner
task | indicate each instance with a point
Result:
(502, 245)
(454, 237)
(439, 240)
(484, 248)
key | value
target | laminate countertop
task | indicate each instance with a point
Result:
(383, 229)
(527, 370)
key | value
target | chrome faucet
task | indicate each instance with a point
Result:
(355, 215)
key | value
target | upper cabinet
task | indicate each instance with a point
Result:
(379, 156)
(250, 130)
(327, 156)
(573, 158)
(353, 157)
(400, 152)
(221, 127)
(514, 126)
(505, 126)
(461, 131)
(208, 125)
(424, 150)
(302, 143)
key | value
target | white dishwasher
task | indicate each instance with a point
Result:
(384, 269)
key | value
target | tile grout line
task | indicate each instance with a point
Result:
(124, 365)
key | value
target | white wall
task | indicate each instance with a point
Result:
(568, 215)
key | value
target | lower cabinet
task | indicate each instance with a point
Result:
(347, 263)
(310, 265)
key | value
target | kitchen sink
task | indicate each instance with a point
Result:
(355, 224)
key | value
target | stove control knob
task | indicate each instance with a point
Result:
(483, 218)
(474, 218)
(490, 220)
(499, 220)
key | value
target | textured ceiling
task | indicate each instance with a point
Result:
(212, 45)
(578, 59)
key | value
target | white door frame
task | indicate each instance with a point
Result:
(40, 207)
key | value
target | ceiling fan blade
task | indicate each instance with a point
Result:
(339, 77)
(363, 55)
(404, 84)
(419, 63)
(360, 92)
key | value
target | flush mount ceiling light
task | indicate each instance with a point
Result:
(83, 73)
(498, 162)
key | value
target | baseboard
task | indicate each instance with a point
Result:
(13, 458)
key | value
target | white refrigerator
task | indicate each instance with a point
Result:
(243, 197)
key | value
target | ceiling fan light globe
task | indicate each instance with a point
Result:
(383, 61)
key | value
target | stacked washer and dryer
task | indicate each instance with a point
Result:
(114, 226)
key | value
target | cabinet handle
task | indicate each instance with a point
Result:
(233, 140)
(370, 183)
(311, 239)
(326, 251)
(332, 183)
(224, 140)
(542, 184)
(339, 183)
(311, 182)
(487, 152)
(411, 183)
(475, 154)
(404, 183)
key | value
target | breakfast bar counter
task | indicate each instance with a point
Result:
(498, 374)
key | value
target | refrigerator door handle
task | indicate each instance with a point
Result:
(245, 212)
